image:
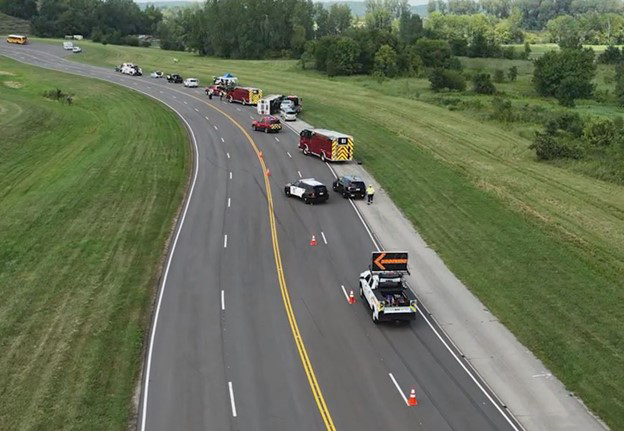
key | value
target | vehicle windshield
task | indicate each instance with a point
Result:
(320, 189)
(290, 111)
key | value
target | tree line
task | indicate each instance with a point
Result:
(110, 21)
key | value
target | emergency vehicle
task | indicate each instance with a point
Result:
(384, 291)
(326, 144)
(267, 124)
(269, 105)
(244, 95)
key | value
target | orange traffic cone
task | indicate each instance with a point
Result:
(412, 401)
(313, 240)
(351, 297)
(268, 173)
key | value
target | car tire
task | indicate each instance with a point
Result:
(361, 293)
(266, 130)
(287, 192)
(306, 151)
(306, 201)
(375, 321)
(345, 195)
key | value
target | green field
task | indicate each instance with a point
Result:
(543, 247)
(87, 197)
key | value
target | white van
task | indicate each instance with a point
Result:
(68, 45)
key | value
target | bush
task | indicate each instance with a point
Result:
(502, 110)
(433, 53)
(600, 133)
(509, 52)
(571, 122)
(549, 147)
(512, 73)
(58, 95)
(459, 46)
(482, 84)
(446, 79)
(499, 76)
(131, 40)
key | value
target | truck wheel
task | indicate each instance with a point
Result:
(266, 130)
(375, 321)
(230, 99)
(305, 150)
(322, 156)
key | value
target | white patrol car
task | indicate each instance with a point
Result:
(309, 190)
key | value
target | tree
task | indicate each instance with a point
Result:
(566, 31)
(566, 75)
(611, 55)
(342, 57)
(482, 46)
(527, 50)
(385, 62)
(619, 83)
(482, 84)
(548, 147)
(513, 73)
(441, 79)
(600, 132)
(410, 27)
(339, 18)
(433, 53)
(25, 9)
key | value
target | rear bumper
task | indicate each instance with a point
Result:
(321, 199)
(393, 317)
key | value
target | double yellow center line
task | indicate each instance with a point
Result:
(292, 321)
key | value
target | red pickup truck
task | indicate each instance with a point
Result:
(268, 123)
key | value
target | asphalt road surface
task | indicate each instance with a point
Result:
(252, 330)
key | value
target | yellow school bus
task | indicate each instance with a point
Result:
(16, 38)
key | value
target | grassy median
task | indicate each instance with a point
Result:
(88, 192)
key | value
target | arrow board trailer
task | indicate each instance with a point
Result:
(384, 289)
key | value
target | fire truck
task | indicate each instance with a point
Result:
(326, 144)
(244, 95)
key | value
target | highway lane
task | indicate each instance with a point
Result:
(200, 348)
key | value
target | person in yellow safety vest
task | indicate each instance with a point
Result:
(370, 192)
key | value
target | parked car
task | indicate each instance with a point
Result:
(350, 186)
(175, 78)
(267, 124)
(309, 190)
(76, 49)
(156, 74)
(288, 114)
(287, 103)
(191, 82)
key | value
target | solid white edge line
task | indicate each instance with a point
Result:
(229, 201)
(345, 292)
(225, 241)
(398, 388)
(150, 352)
(436, 332)
(232, 399)
(222, 300)
(324, 239)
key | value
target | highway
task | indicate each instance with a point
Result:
(251, 329)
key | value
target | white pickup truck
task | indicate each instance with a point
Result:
(384, 290)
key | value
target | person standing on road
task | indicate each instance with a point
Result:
(370, 192)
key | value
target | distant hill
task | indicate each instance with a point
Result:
(358, 8)
(9, 25)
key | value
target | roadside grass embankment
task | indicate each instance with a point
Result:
(542, 247)
(11, 25)
(87, 197)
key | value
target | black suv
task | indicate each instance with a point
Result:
(175, 78)
(350, 186)
(310, 190)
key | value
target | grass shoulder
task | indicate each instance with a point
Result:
(89, 191)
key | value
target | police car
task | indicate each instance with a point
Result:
(309, 190)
